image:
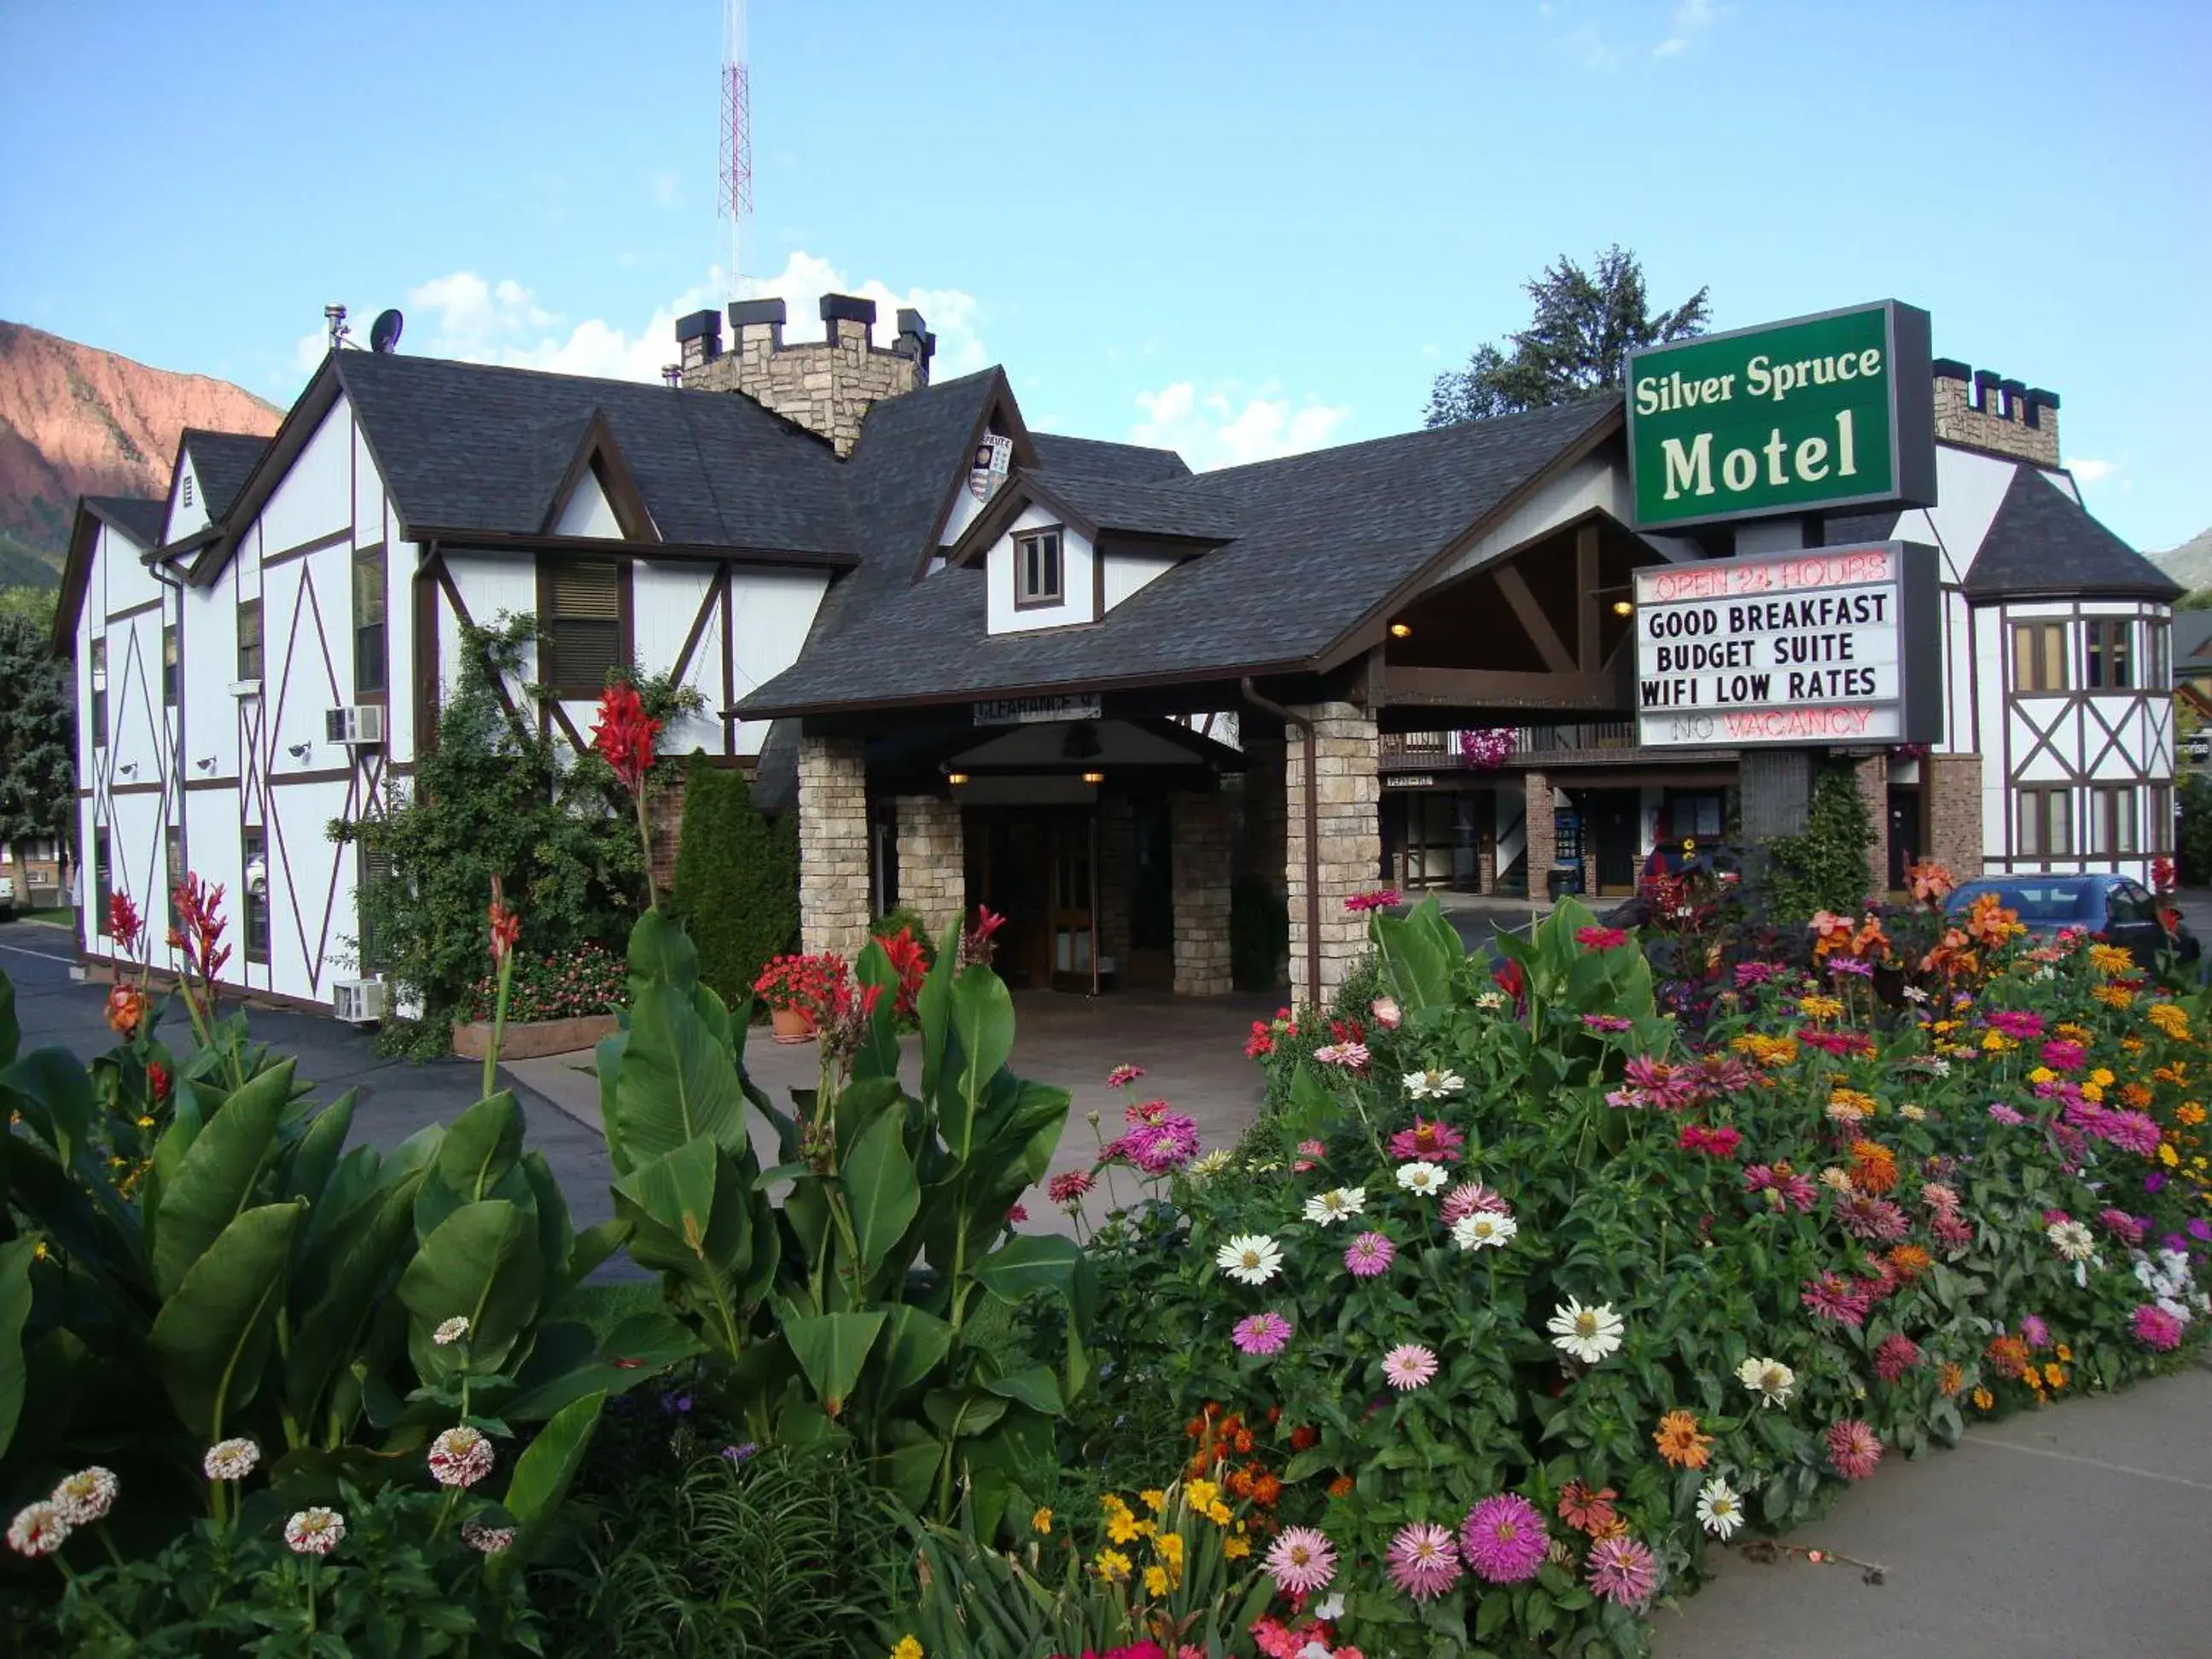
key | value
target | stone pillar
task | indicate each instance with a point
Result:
(1349, 850)
(933, 861)
(1870, 773)
(1955, 812)
(1540, 830)
(1117, 878)
(1198, 830)
(1777, 789)
(664, 805)
(833, 845)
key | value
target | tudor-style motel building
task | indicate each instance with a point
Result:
(1067, 679)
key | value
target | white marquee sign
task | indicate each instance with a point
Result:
(1825, 645)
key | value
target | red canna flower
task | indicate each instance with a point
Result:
(127, 1009)
(910, 965)
(625, 735)
(157, 1080)
(123, 926)
(198, 932)
(977, 943)
(2162, 874)
(506, 926)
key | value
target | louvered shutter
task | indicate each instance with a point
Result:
(583, 625)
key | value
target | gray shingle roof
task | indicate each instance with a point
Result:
(1324, 537)
(1094, 457)
(2192, 637)
(2042, 541)
(474, 446)
(1181, 509)
(140, 517)
(222, 461)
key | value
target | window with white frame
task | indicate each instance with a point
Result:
(1038, 568)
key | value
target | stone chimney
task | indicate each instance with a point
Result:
(1982, 410)
(825, 385)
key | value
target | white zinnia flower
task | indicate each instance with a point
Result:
(1770, 1379)
(1250, 1258)
(1491, 999)
(451, 1331)
(230, 1460)
(85, 1497)
(1337, 1204)
(1720, 1507)
(1330, 1609)
(1423, 1178)
(1433, 1085)
(1588, 1333)
(1484, 1229)
(1206, 1165)
(2072, 1240)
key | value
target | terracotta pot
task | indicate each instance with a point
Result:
(530, 1039)
(792, 1024)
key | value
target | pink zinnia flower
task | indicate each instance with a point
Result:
(1748, 974)
(460, 1456)
(1894, 1356)
(1783, 1186)
(2136, 1131)
(1720, 1141)
(1380, 898)
(1607, 1023)
(1873, 1219)
(1069, 1189)
(2020, 1027)
(1122, 1076)
(2061, 1056)
(2001, 1113)
(1369, 1255)
(2155, 1327)
(1601, 938)
(2036, 1333)
(1952, 1231)
(1622, 1570)
(1660, 1084)
(1436, 1143)
(1853, 1448)
(1834, 1297)
(1353, 1056)
(1301, 1561)
(1423, 1562)
(1408, 1365)
(1504, 1539)
(2123, 1226)
(1386, 1013)
(1469, 1196)
(1261, 1333)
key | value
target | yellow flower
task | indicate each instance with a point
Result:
(1155, 1582)
(1910, 1113)
(2054, 1375)
(2171, 1020)
(1218, 1512)
(2167, 1155)
(1819, 1008)
(1144, 1528)
(145, 1121)
(2065, 1353)
(2072, 1032)
(2132, 1044)
(2113, 997)
(907, 1648)
(1994, 1042)
(2092, 1092)
(1154, 1499)
(1042, 1521)
(2103, 1078)
(1201, 1493)
(1113, 1567)
(1121, 1528)
(1236, 1549)
(1943, 1026)
(1170, 1545)
(1983, 1400)
(2111, 959)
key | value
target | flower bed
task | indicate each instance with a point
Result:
(1525, 1307)
(584, 982)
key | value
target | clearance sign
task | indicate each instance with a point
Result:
(1834, 410)
(1827, 645)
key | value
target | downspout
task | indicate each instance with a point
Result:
(1313, 831)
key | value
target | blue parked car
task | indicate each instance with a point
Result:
(2121, 910)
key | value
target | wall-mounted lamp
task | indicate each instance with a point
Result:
(1094, 777)
(1399, 630)
(129, 769)
(1624, 607)
(206, 763)
(300, 750)
(955, 777)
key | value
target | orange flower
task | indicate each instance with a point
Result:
(2009, 1356)
(1586, 1510)
(1680, 1443)
(1950, 1378)
(1931, 882)
(1874, 1167)
(126, 1011)
(1265, 1490)
(2133, 1095)
(1988, 922)
(1910, 1261)
(1304, 1437)
(1341, 1487)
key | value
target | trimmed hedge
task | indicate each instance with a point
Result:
(737, 879)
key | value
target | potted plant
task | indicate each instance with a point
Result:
(796, 988)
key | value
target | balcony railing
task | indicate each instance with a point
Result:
(1419, 752)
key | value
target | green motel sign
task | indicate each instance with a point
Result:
(1833, 410)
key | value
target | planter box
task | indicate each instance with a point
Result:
(528, 1039)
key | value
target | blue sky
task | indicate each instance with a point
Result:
(1242, 229)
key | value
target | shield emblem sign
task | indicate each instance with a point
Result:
(994, 458)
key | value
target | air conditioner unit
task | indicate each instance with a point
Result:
(356, 723)
(357, 1001)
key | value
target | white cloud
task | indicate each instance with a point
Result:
(2088, 472)
(1588, 44)
(1692, 18)
(1223, 427)
(463, 315)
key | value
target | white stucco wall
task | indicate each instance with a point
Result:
(1077, 581)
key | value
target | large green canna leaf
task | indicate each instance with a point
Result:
(481, 1264)
(606, 1065)
(912, 1344)
(480, 1151)
(692, 1216)
(880, 1188)
(661, 949)
(331, 1334)
(310, 1161)
(878, 1054)
(211, 1338)
(831, 1348)
(11, 1034)
(14, 1310)
(980, 1027)
(569, 1362)
(215, 1179)
(933, 1005)
(542, 1477)
(1023, 1266)
(52, 1091)
(557, 1238)
(676, 1081)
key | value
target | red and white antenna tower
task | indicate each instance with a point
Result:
(736, 194)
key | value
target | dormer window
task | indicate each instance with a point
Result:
(1036, 569)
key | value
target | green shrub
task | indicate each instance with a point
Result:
(1825, 867)
(2196, 839)
(737, 879)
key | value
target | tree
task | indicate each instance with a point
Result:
(737, 879)
(1586, 324)
(38, 735)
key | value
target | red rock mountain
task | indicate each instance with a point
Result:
(75, 420)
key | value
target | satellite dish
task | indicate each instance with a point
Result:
(384, 332)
